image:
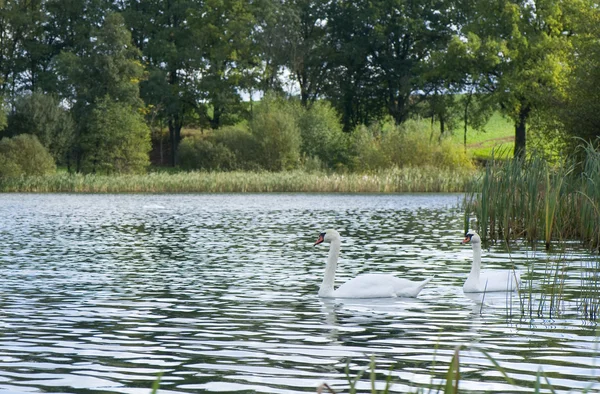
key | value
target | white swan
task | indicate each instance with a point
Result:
(493, 280)
(363, 286)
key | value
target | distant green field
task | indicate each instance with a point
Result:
(498, 136)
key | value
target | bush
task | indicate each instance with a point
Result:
(201, 153)
(41, 115)
(410, 144)
(277, 135)
(241, 143)
(24, 155)
(367, 154)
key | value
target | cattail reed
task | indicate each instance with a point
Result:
(537, 201)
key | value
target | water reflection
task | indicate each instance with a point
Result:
(218, 292)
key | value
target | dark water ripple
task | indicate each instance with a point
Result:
(218, 292)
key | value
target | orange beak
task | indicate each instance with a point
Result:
(466, 240)
(320, 239)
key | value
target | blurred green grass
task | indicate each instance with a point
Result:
(497, 137)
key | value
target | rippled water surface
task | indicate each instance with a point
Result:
(100, 293)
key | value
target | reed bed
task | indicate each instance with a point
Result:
(424, 179)
(537, 201)
(553, 207)
(547, 292)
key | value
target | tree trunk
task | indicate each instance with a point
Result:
(431, 127)
(175, 121)
(397, 108)
(303, 82)
(466, 121)
(175, 136)
(161, 149)
(215, 122)
(77, 159)
(521, 133)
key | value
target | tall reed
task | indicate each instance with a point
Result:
(545, 204)
(535, 200)
(422, 179)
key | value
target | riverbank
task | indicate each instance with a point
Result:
(415, 180)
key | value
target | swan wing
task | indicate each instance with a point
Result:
(379, 286)
(499, 280)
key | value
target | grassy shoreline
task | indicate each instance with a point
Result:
(415, 180)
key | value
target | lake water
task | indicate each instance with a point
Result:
(100, 293)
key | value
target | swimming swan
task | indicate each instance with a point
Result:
(363, 286)
(493, 280)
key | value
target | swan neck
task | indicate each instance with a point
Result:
(326, 289)
(476, 267)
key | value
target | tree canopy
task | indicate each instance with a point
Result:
(198, 63)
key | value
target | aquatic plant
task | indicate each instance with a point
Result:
(448, 385)
(545, 204)
(535, 200)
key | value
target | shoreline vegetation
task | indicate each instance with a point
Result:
(536, 201)
(404, 180)
(554, 209)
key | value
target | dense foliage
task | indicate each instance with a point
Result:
(116, 139)
(24, 155)
(283, 135)
(40, 115)
(195, 64)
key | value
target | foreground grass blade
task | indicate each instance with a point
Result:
(352, 382)
(498, 367)
(156, 383)
(453, 374)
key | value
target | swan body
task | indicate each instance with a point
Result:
(363, 286)
(489, 281)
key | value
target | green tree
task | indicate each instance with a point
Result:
(352, 88)
(579, 112)
(527, 45)
(173, 56)
(384, 49)
(71, 23)
(440, 106)
(110, 67)
(224, 29)
(116, 139)
(35, 31)
(306, 46)
(111, 70)
(269, 35)
(32, 54)
(14, 31)
(41, 115)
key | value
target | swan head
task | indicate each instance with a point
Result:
(327, 236)
(471, 236)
